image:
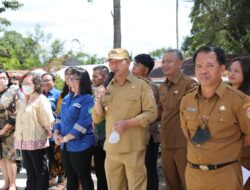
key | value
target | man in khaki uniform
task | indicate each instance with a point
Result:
(214, 118)
(173, 142)
(128, 106)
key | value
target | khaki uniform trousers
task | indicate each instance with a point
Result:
(126, 171)
(174, 163)
(226, 178)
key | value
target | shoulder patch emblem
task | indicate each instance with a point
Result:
(246, 105)
(90, 110)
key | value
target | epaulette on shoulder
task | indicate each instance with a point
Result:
(144, 79)
(241, 94)
(191, 90)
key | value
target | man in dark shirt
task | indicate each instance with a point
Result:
(100, 74)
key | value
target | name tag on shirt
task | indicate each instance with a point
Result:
(77, 105)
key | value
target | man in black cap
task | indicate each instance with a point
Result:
(143, 65)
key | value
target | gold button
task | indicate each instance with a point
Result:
(221, 119)
(198, 145)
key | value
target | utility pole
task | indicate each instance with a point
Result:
(177, 25)
(117, 23)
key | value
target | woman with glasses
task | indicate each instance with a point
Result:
(33, 124)
(73, 131)
(8, 96)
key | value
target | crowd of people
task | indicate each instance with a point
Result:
(123, 120)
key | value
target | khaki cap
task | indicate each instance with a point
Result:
(118, 53)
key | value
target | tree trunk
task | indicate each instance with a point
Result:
(117, 23)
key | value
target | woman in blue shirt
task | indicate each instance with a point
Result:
(73, 131)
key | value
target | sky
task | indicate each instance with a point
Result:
(146, 25)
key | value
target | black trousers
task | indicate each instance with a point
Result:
(99, 158)
(151, 165)
(77, 165)
(51, 156)
(37, 170)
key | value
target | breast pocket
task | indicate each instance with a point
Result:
(75, 111)
(106, 101)
(222, 120)
(133, 101)
(192, 120)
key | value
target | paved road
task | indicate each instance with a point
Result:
(21, 179)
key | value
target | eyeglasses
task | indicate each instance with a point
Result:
(72, 79)
(3, 78)
(45, 81)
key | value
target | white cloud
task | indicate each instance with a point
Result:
(146, 24)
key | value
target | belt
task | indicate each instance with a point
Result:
(210, 167)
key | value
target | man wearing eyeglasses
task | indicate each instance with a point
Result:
(49, 90)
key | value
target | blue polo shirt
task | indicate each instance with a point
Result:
(75, 118)
(53, 96)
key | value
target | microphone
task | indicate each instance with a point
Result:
(109, 78)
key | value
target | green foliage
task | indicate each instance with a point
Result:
(12, 5)
(224, 23)
(56, 48)
(18, 52)
(158, 53)
(59, 83)
(86, 59)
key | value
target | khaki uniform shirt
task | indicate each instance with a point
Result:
(171, 93)
(229, 119)
(133, 99)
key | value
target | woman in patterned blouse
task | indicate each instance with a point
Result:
(7, 126)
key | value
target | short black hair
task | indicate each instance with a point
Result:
(85, 82)
(36, 81)
(146, 60)
(50, 74)
(220, 53)
(103, 69)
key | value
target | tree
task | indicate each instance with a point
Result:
(158, 53)
(12, 5)
(224, 23)
(18, 52)
(44, 41)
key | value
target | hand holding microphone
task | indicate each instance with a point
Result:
(109, 78)
(101, 90)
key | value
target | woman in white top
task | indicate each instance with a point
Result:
(33, 125)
